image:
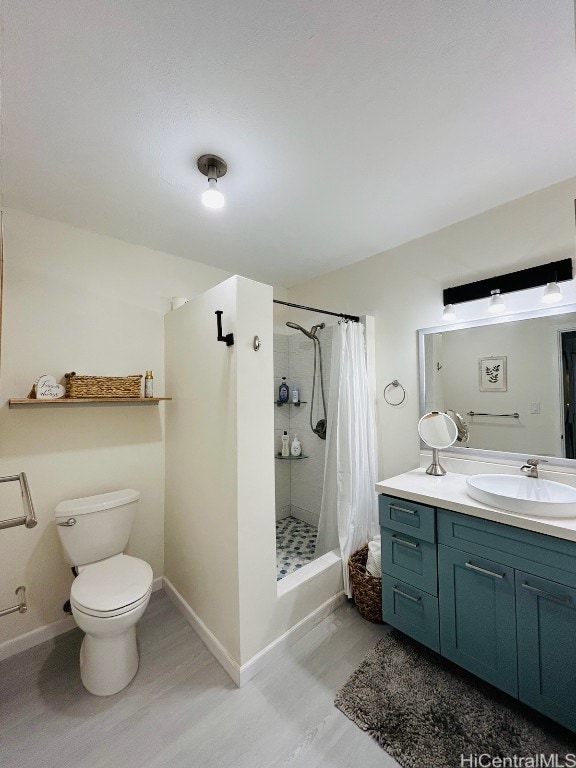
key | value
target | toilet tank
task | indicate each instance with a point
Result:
(96, 527)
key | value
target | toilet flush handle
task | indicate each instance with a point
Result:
(69, 522)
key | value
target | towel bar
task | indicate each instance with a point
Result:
(21, 607)
(29, 519)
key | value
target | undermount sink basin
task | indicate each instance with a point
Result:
(526, 495)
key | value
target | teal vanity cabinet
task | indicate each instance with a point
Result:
(497, 600)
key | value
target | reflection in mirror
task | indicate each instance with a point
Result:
(513, 382)
(437, 430)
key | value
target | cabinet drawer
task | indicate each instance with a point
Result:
(411, 610)
(410, 559)
(528, 551)
(408, 517)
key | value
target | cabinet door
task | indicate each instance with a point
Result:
(478, 616)
(547, 647)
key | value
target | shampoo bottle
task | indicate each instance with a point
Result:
(283, 391)
(295, 395)
(296, 448)
(285, 448)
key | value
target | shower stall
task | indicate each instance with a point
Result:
(220, 565)
(303, 357)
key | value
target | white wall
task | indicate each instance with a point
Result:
(201, 525)
(74, 300)
(403, 287)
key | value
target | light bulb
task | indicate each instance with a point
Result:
(496, 306)
(449, 313)
(212, 197)
(552, 293)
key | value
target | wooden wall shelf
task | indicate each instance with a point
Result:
(63, 401)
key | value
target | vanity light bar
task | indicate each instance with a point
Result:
(522, 280)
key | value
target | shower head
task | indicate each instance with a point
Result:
(299, 328)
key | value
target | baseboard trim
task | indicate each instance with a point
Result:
(210, 640)
(47, 632)
(274, 649)
(35, 637)
(242, 674)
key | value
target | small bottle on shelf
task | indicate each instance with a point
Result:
(283, 391)
(285, 444)
(296, 448)
(148, 384)
(295, 395)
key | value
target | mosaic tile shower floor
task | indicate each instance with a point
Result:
(295, 542)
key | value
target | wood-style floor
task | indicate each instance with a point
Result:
(182, 710)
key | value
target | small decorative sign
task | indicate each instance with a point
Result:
(46, 388)
(493, 374)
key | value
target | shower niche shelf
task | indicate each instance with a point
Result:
(279, 403)
(290, 458)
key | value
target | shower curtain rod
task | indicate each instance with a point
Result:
(354, 318)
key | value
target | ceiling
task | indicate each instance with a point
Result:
(348, 127)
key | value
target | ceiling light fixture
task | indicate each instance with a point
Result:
(449, 313)
(496, 305)
(552, 293)
(214, 168)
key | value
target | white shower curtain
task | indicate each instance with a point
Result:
(349, 512)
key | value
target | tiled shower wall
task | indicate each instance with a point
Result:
(299, 483)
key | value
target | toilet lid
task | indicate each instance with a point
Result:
(112, 584)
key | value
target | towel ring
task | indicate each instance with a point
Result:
(394, 384)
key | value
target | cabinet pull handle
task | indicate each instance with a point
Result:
(398, 540)
(403, 509)
(484, 571)
(547, 595)
(408, 597)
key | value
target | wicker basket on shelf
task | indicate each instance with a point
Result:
(102, 386)
(366, 589)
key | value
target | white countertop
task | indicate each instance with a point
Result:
(449, 492)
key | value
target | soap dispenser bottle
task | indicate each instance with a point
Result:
(285, 445)
(296, 448)
(283, 391)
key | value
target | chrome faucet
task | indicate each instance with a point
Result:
(531, 467)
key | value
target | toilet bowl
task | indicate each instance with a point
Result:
(112, 590)
(108, 598)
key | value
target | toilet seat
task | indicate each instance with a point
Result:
(110, 614)
(112, 587)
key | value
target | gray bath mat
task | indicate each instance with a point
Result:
(425, 711)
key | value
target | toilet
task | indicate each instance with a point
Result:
(112, 590)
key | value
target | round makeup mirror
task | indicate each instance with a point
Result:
(437, 430)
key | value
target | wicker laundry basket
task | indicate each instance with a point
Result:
(103, 386)
(366, 589)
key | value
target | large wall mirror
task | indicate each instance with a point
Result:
(513, 381)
